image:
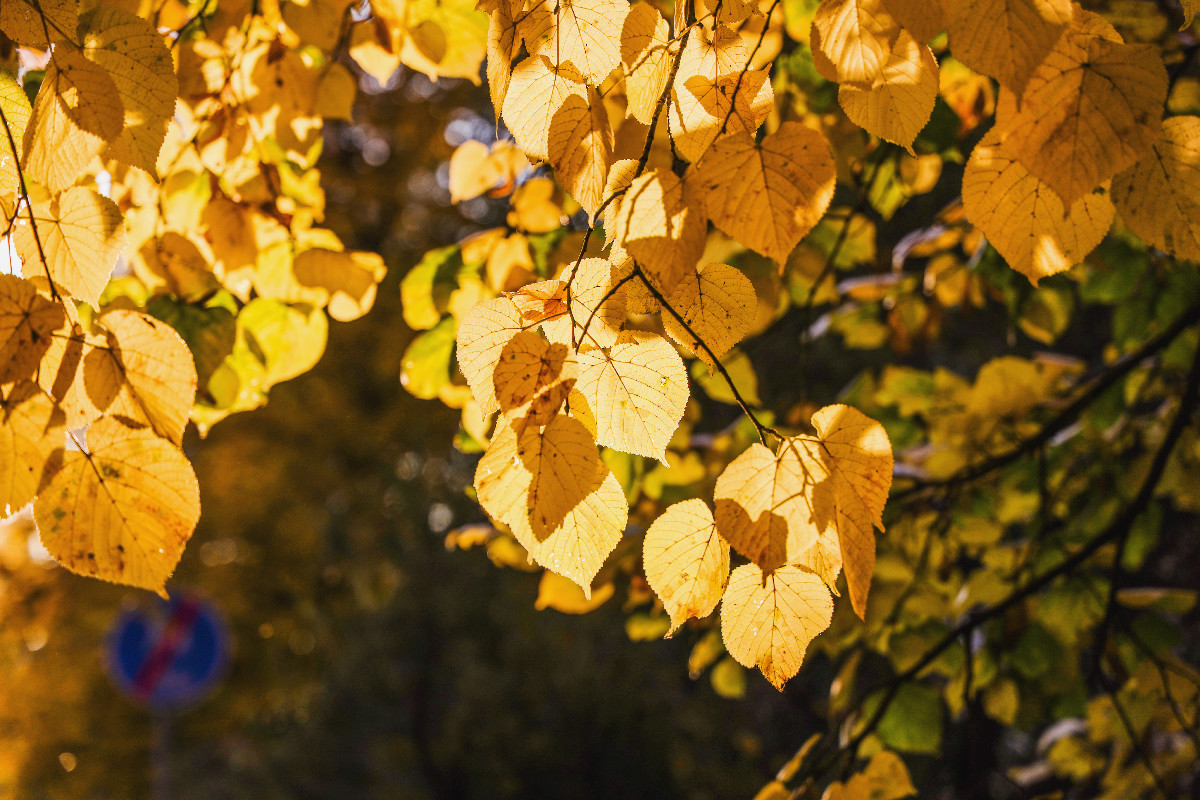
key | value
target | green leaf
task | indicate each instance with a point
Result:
(425, 368)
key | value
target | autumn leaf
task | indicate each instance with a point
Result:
(1159, 196)
(592, 306)
(32, 428)
(1007, 39)
(718, 305)
(1023, 218)
(80, 233)
(123, 510)
(27, 320)
(638, 390)
(855, 36)
(768, 195)
(897, 102)
(858, 457)
(36, 23)
(645, 56)
(686, 561)
(923, 19)
(660, 224)
(482, 335)
(536, 92)
(347, 280)
(533, 376)
(768, 621)
(585, 33)
(15, 108)
(503, 46)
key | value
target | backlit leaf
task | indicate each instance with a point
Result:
(35, 23)
(482, 335)
(897, 102)
(768, 195)
(856, 36)
(535, 94)
(533, 376)
(638, 390)
(16, 110)
(1159, 197)
(646, 58)
(586, 33)
(660, 224)
(590, 292)
(27, 320)
(686, 561)
(1006, 39)
(124, 510)
(32, 427)
(769, 621)
(718, 304)
(287, 340)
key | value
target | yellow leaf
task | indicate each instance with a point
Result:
(768, 196)
(439, 37)
(347, 280)
(1093, 108)
(75, 115)
(535, 209)
(560, 500)
(503, 45)
(858, 457)
(156, 374)
(585, 33)
(1023, 218)
(1006, 39)
(482, 335)
(591, 305)
(718, 304)
(287, 340)
(885, 778)
(856, 37)
(686, 561)
(714, 93)
(32, 427)
(580, 147)
(924, 19)
(638, 390)
(15, 107)
(563, 594)
(370, 54)
(140, 64)
(123, 511)
(1159, 197)
(471, 171)
(35, 23)
(661, 226)
(897, 102)
(769, 621)
(80, 233)
(768, 506)
(1190, 9)
(535, 94)
(27, 320)
(646, 58)
(335, 93)
(533, 376)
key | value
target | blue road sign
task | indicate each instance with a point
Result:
(171, 657)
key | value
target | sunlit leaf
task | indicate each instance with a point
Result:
(686, 561)
(1007, 39)
(718, 305)
(32, 428)
(1159, 197)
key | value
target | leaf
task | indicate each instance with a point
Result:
(14, 106)
(769, 195)
(897, 102)
(503, 45)
(715, 94)
(585, 33)
(140, 64)
(718, 304)
(36, 23)
(75, 115)
(885, 778)
(856, 37)
(1023, 218)
(923, 19)
(768, 506)
(533, 376)
(1093, 108)
(563, 594)
(858, 457)
(769, 621)
(646, 57)
(1159, 196)
(592, 305)
(441, 38)
(535, 94)
(482, 335)
(686, 561)
(32, 428)
(1006, 39)
(660, 224)
(638, 390)
(287, 340)
(348, 280)
(27, 319)
(156, 370)
(81, 234)
(1190, 9)
(123, 511)
(580, 147)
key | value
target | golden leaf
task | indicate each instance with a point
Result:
(1190, 9)
(140, 64)
(885, 778)
(924, 19)
(646, 58)
(591, 305)
(715, 93)
(660, 224)
(32, 428)
(76, 113)
(347, 280)
(855, 36)
(580, 146)
(638, 390)
(1006, 39)
(16, 110)
(768, 196)
(1093, 108)
(482, 335)
(122, 511)
(36, 23)
(535, 94)
(80, 233)
(686, 561)
(503, 45)
(585, 33)
(897, 102)
(533, 378)
(563, 594)
(1159, 196)
(718, 304)
(858, 457)
(27, 320)
(1023, 218)
(767, 505)
(156, 374)
(769, 621)
(370, 54)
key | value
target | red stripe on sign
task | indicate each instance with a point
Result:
(179, 624)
